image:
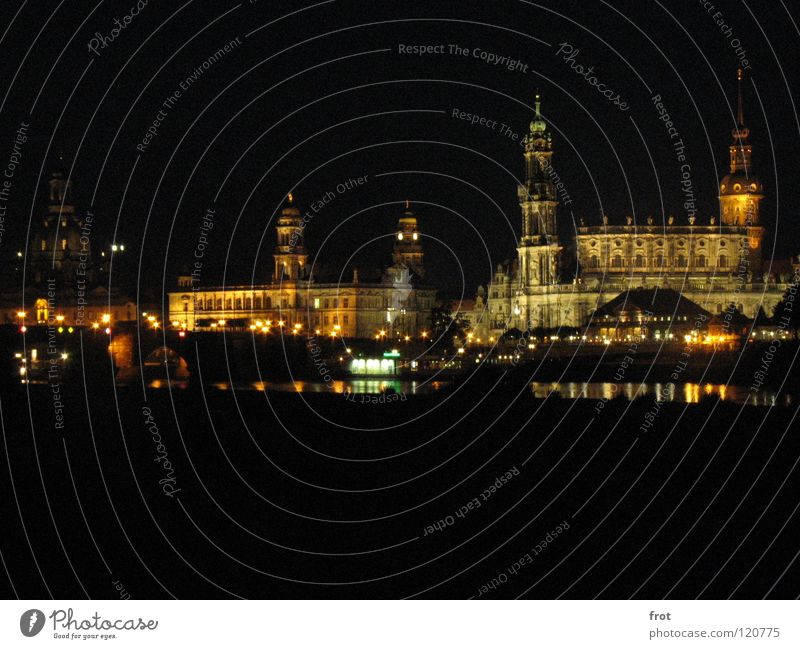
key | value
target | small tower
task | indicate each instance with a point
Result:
(740, 191)
(290, 252)
(408, 243)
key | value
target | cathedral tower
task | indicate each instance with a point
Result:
(290, 252)
(538, 250)
(408, 243)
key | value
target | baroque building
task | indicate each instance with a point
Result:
(389, 302)
(717, 264)
(63, 284)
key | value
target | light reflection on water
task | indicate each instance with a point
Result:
(680, 393)
(351, 386)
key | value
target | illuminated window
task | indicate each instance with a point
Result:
(44, 244)
(63, 244)
(316, 303)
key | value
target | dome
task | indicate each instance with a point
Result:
(740, 183)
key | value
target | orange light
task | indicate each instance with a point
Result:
(21, 314)
(60, 318)
(106, 318)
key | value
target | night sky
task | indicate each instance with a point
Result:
(310, 95)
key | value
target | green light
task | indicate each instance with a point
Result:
(392, 354)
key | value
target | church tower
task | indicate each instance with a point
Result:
(740, 191)
(538, 250)
(58, 248)
(408, 243)
(290, 252)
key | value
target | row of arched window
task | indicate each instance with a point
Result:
(639, 261)
(211, 304)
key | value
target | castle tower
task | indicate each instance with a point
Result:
(408, 243)
(740, 191)
(290, 251)
(538, 250)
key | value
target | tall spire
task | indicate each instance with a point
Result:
(740, 76)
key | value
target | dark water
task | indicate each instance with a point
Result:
(681, 393)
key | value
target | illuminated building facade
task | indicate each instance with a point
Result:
(714, 264)
(385, 303)
(62, 279)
